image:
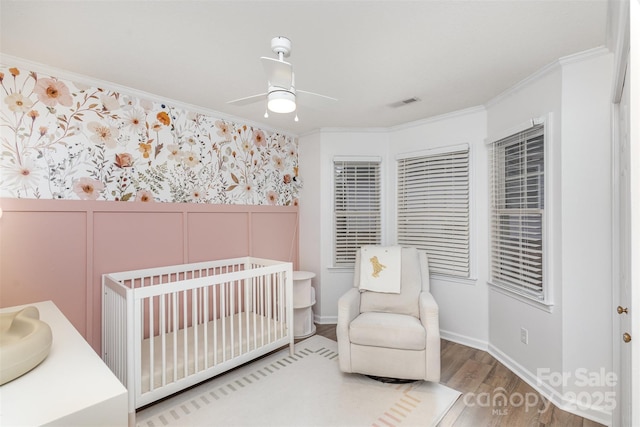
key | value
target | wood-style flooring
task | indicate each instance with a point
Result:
(480, 378)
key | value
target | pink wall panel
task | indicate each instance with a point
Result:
(58, 249)
(275, 236)
(43, 257)
(131, 241)
(217, 235)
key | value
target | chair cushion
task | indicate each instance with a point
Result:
(388, 330)
(406, 302)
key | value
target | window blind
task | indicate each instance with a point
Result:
(517, 211)
(357, 208)
(433, 209)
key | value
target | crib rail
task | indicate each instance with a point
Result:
(167, 328)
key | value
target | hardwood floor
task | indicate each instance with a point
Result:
(482, 380)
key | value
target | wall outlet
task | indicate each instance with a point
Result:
(524, 336)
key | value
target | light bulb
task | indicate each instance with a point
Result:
(281, 101)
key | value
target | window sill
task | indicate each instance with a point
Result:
(341, 268)
(453, 279)
(546, 306)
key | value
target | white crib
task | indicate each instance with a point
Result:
(168, 328)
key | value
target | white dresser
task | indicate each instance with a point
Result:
(304, 297)
(71, 387)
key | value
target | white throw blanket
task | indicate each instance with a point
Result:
(380, 269)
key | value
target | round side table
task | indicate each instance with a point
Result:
(304, 297)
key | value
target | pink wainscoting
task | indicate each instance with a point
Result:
(58, 249)
(207, 242)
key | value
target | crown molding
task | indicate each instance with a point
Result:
(544, 71)
(440, 117)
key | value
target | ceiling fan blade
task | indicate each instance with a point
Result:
(314, 99)
(248, 100)
(279, 73)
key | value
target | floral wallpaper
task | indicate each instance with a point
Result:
(64, 140)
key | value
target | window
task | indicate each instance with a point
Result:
(517, 212)
(356, 207)
(433, 207)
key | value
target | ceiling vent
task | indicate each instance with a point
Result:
(404, 102)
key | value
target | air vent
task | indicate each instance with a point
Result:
(404, 102)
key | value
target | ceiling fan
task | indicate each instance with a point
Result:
(281, 94)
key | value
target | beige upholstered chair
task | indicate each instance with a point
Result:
(391, 335)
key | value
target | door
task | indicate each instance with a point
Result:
(622, 301)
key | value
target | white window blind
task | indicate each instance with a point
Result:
(517, 211)
(357, 208)
(433, 209)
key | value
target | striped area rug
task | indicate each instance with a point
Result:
(306, 389)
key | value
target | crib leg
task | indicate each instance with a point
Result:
(132, 419)
(291, 347)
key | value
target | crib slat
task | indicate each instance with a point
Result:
(185, 352)
(280, 305)
(205, 322)
(174, 304)
(163, 341)
(269, 307)
(262, 308)
(254, 294)
(233, 306)
(223, 318)
(246, 294)
(194, 328)
(215, 328)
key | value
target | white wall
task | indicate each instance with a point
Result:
(309, 211)
(586, 217)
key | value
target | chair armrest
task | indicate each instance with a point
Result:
(430, 321)
(428, 310)
(348, 309)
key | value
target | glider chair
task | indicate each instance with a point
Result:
(388, 322)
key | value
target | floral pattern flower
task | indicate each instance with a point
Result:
(52, 92)
(64, 140)
(135, 120)
(224, 130)
(190, 159)
(144, 196)
(174, 152)
(87, 188)
(18, 103)
(272, 197)
(104, 134)
(24, 175)
(124, 160)
(145, 149)
(163, 118)
(259, 139)
(110, 103)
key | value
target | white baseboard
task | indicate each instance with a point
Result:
(325, 320)
(464, 340)
(593, 413)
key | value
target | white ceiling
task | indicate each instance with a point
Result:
(368, 54)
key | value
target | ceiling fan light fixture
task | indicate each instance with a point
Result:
(281, 101)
